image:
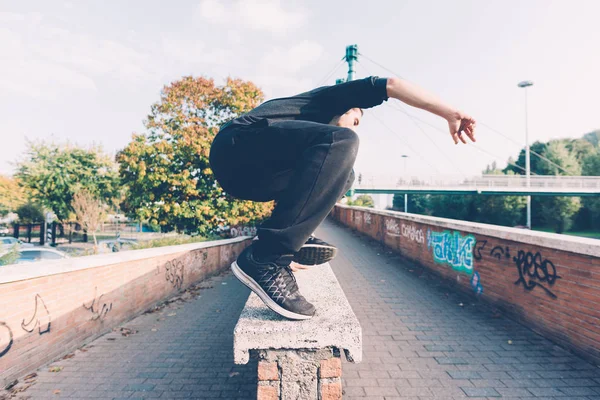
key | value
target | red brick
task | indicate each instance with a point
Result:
(331, 390)
(331, 368)
(267, 371)
(267, 393)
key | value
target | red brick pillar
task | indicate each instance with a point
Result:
(330, 379)
(269, 381)
(299, 374)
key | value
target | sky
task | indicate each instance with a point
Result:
(87, 72)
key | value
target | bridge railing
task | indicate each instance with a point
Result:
(485, 181)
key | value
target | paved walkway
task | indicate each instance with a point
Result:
(420, 342)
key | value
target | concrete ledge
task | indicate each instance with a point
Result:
(19, 272)
(333, 326)
(574, 244)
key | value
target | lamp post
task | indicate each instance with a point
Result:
(525, 85)
(405, 194)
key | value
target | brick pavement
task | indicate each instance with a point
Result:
(421, 341)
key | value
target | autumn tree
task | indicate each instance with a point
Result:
(53, 173)
(11, 195)
(89, 212)
(167, 171)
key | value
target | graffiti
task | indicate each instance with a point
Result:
(476, 283)
(367, 218)
(392, 228)
(412, 233)
(98, 312)
(478, 248)
(6, 338)
(242, 231)
(500, 252)
(533, 266)
(41, 320)
(453, 249)
(174, 273)
(357, 218)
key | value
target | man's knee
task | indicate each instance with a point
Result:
(348, 136)
(349, 182)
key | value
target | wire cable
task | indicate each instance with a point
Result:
(471, 144)
(403, 141)
(481, 123)
(330, 74)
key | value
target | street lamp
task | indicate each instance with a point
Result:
(405, 194)
(525, 85)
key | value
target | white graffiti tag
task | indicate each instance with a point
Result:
(392, 228)
(412, 233)
(368, 219)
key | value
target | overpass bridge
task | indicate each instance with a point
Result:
(515, 185)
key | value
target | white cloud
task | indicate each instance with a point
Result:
(293, 59)
(212, 10)
(192, 52)
(260, 15)
(41, 60)
(282, 71)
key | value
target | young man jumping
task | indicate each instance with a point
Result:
(299, 151)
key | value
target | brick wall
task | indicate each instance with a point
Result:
(548, 282)
(48, 309)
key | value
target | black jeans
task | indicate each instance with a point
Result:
(304, 166)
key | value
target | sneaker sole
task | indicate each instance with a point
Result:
(255, 287)
(314, 254)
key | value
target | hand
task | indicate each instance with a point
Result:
(297, 267)
(460, 123)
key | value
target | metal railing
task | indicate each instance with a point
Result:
(591, 183)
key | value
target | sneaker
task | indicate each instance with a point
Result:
(274, 282)
(315, 252)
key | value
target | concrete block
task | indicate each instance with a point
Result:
(333, 326)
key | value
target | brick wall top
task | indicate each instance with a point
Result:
(574, 244)
(19, 272)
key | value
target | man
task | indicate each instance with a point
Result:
(299, 151)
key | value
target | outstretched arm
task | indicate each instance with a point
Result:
(458, 122)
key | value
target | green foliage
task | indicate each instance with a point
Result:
(11, 256)
(169, 241)
(11, 195)
(30, 213)
(54, 173)
(167, 170)
(417, 203)
(363, 200)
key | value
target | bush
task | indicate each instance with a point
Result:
(30, 213)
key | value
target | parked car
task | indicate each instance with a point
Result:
(114, 245)
(7, 242)
(29, 254)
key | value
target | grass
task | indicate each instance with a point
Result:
(587, 234)
(169, 241)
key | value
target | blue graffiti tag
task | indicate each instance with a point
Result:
(452, 248)
(476, 283)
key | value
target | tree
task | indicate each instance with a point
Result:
(30, 213)
(89, 212)
(11, 195)
(55, 172)
(590, 212)
(417, 203)
(167, 170)
(364, 200)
